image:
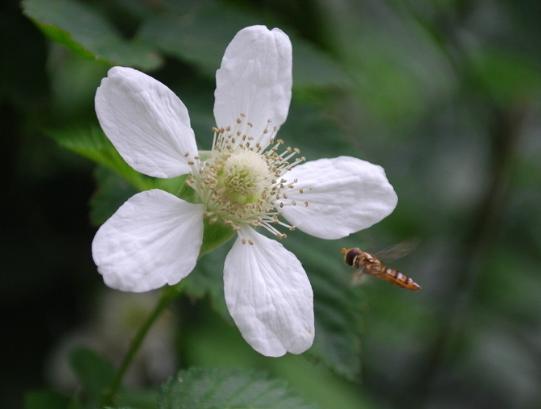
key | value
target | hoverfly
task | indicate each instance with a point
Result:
(366, 263)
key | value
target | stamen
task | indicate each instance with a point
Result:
(241, 182)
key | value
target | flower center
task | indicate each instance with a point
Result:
(244, 177)
(240, 182)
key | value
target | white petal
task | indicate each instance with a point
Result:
(153, 239)
(146, 122)
(344, 195)
(255, 80)
(268, 295)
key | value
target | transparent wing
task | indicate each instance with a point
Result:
(397, 251)
(358, 277)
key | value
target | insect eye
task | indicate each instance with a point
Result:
(350, 256)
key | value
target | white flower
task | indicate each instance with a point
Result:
(246, 181)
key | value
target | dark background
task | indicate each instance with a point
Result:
(443, 94)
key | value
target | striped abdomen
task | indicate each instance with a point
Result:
(399, 279)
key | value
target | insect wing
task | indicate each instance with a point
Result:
(358, 277)
(397, 251)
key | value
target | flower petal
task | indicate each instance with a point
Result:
(146, 122)
(153, 239)
(268, 295)
(344, 195)
(255, 80)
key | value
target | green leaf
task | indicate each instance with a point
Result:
(120, 407)
(227, 389)
(94, 373)
(92, 144)
(337, 305)
(45, 399)
(83, 30)
(215, 234)
(201, 36)
(138, 399)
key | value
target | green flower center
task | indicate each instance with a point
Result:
(244, 177)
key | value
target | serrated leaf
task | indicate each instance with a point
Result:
(227, 389)
(45, 399)
(94, 373)
(83, 30)
(201, 35)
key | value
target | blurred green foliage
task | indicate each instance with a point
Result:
(209, 389)
(87, 33)
(443, 94)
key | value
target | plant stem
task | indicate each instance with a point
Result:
(166, 297)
